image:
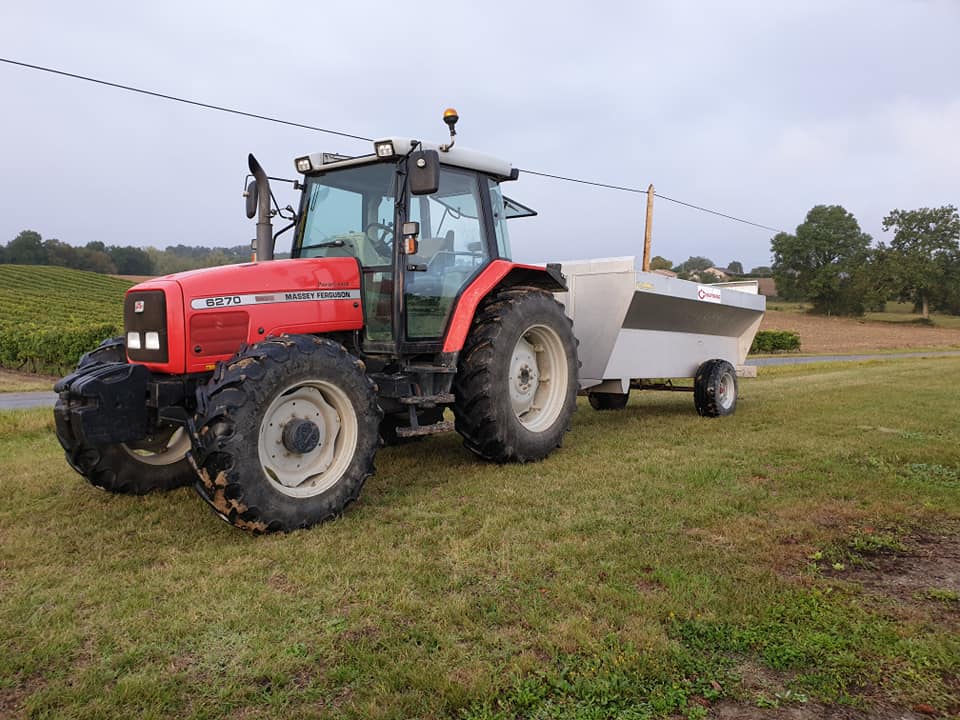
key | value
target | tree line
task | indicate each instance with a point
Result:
(701, 269)
(29, 248)
(832, 264)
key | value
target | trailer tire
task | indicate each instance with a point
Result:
(158, 463)
(516, 384)
(269, 465)
(715, 389)
(608, 401)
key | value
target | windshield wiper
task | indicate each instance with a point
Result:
(329, 243)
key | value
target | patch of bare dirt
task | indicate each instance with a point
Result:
(13, 699)
(819, 334)
(921, 581)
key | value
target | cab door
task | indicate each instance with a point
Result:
(453, 248)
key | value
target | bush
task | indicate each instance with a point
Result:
(36, 348)
(772, 341)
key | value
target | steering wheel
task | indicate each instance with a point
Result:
(381, 237)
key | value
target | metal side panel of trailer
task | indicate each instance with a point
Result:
(638, 325)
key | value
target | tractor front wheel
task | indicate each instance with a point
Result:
(288, 430)
(157, 462)
(516, 385)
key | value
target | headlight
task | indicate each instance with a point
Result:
(133, 340)
(152, 341)
(384, 148)
(304, 165)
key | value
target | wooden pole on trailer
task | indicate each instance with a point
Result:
(648, 230)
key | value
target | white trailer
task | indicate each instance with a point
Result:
(640, 330)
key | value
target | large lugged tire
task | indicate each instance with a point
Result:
(608, 401)
(287, 434)
(516, 384)
(159, 462)
(715, 389)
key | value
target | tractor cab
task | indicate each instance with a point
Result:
(422, 222)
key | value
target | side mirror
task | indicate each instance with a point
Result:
(251, 195)
(411, 243)
(423, 170)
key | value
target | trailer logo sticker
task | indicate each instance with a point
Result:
(283, 296)
(709, 294)
(138, 306)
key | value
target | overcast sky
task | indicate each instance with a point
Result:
(759, 109)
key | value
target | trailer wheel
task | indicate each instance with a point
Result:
(158, 462)
(288, 430)
(516, 384)
(608, 401)
(715, 389)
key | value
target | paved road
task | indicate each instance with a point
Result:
(15, 401)
(18, 401)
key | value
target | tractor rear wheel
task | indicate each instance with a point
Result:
(516, 385)
(158, 462)
(715, 389)
(288, 430)
(608, 401)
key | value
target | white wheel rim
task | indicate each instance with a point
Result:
(726, 392)
(173, 450)
(310, 473)
(538, 378)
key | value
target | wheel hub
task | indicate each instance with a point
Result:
(524, 377)
(301, 436)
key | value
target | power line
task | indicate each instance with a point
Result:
(174, 98)
(717, 212)
(233, 111)
(641, 191)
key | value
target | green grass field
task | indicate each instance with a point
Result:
(894, 312)
(658, 565)
(59, 296)
(49, 316)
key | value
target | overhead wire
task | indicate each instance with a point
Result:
(339, 133)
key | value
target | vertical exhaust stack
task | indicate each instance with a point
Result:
(264, 242)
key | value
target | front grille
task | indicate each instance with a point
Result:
(143, 312)
(219, 333)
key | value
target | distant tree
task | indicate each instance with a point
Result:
(59, 253)
(26, 249)
(131, 260)
(95, 261)
(692, 266)
(735, 267)
(707, 276)
(96, 246)
(923, 253)
(762, 271)
(825, 262)
(695, 263)
(658, 262)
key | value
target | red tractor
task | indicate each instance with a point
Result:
(271, 385)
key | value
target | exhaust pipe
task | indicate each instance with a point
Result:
(264, 241)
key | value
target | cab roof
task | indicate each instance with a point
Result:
(456, 157)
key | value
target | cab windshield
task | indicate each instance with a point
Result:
(350, 213)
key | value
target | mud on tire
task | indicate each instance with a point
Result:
(516, 384)
(257, 420)
(156, 463)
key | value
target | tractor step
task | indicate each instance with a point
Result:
(428, 400)
(427, 368)
(440, 427)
